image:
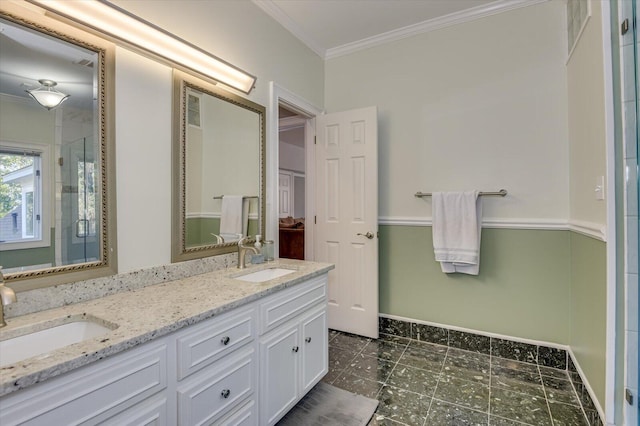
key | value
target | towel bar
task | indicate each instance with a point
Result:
(501, 193)
(219, 197)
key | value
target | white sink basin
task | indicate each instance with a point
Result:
(265, 275)
(49, 339)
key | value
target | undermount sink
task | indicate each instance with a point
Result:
(54, 336)
(265, 275)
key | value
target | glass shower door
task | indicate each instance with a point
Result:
(80, 212)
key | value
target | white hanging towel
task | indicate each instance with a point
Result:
(234, 217)
(457, 223)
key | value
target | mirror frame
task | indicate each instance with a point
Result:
(181, 82)
(69, 32)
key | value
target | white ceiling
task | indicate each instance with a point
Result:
(336, 27)
(28, 56)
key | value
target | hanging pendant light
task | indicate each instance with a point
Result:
(46, 95)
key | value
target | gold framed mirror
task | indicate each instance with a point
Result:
(57, 162)
(218, 169)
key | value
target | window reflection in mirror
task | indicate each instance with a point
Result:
(52, 159)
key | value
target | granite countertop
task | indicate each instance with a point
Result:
(141, 316)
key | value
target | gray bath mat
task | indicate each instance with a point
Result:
(326, 405)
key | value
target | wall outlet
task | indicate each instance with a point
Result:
(599, 191)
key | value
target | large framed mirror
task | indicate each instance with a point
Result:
(57, 201)
(218, 169)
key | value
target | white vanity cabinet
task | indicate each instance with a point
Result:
(94, 393)
(293, 347)
(245, 367)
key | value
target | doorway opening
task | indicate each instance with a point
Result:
(291, 183)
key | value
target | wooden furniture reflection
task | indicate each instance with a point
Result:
(292, 238)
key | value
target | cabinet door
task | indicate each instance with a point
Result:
(314, 348)
(279, 363)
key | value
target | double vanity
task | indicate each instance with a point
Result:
(230, 347)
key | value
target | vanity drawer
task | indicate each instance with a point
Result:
(151, 412)
(90, 394)
(209, 341)
(285, 305)
(216, 390)
(246, 415)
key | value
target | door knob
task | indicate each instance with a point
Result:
(369, 235)
(225, 393)
(225, 340)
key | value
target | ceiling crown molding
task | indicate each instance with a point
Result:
(290, 25)
(494, 8)
(456, 18)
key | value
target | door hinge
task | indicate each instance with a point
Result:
(60, 161)
(315, 140)
(37, 217)
(37, 173)
(315, 218)
(624, 27)
(628, 396)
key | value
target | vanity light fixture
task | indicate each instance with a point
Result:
(46, 95)
(116, 22)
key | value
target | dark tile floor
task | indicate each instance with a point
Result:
(420, 383)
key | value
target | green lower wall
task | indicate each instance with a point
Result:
(588, 309)
(523, 289)
(533, 284)
(32, 256)
(199, 230)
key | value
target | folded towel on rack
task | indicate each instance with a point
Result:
(457, 224)
(234, 217)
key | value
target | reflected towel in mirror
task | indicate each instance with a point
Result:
(234, 217)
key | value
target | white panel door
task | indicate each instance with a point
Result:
(285, 182)
(346, 231)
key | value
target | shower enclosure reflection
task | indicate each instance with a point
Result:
(52, 166)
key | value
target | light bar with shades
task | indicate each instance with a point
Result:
(110, 19)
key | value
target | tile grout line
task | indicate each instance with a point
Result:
(544, 391)
(379, 393)
(575, 392)
(490, 380)
(440, 376)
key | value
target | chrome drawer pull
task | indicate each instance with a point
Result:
(225, 393)
(225, 340)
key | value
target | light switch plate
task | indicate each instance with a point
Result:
(599, 190)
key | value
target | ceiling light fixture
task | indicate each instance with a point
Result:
(114, 21)
(46, 95)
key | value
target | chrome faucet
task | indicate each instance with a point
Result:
(7, 296)
(242, 251)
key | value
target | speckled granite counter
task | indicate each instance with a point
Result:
(143, 315)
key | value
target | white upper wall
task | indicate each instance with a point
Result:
(238, 32)
(480, 105)
(587, 133)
